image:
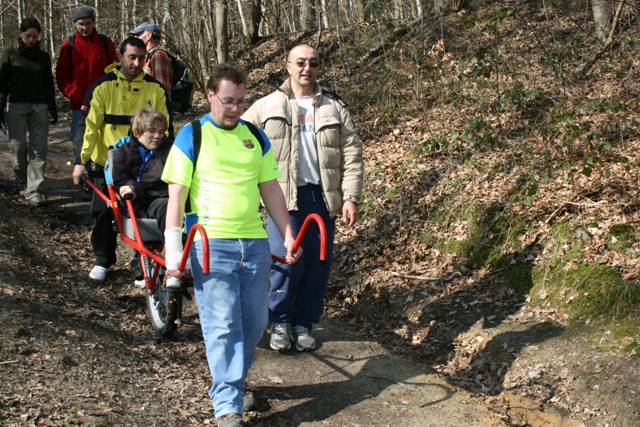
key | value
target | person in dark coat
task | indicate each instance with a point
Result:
(27, 96)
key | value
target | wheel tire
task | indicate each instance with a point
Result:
(163, 308)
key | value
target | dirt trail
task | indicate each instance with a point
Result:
(81, 353)
(73, 352)
(350, 381)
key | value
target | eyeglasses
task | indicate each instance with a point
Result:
(313, 63)
(230, 105)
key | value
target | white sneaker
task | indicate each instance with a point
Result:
(173, 282)
(280, 336)
(304, 340)
(98, 273)
(140, 283)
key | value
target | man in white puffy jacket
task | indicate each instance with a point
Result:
(320, 158)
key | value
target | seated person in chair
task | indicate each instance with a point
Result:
(137, 164)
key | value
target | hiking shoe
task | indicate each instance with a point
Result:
(230, 420)
(280, 336)
(37, 200)
(249, 402)
(304, 340)
(98, 273)
(173, 282)
(140, 283)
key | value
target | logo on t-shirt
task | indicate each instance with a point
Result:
(306, 121)
(248, 144)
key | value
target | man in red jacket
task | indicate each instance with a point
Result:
(82, 60)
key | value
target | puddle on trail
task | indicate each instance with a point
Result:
(536, 417)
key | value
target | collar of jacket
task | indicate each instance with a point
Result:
(93, 35)
(317, 91)
(115, 68)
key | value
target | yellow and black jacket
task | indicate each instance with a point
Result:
(108, 108)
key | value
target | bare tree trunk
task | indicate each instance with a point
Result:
(209, 33)
(340, 41)
(256, 17)
(50, 18)
(134, 13)
(276, 11)
(266, 25)
(124, 19)
(362, 10)
(397, 9)
(602, 16)
(2, 27)
(584, 69)
(290, 23)
(222, 38)
(307, 15)
(352, 13)
(245, 31)
(19, 10)
(325, 11)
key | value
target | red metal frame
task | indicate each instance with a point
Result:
(303, 230)
(150, 279)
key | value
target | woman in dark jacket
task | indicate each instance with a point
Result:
(27, 94)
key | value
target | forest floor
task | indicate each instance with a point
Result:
(416, 332)
(75, 352)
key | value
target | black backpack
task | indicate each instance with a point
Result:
(181, 92)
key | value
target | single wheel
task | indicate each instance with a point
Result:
(164, 308)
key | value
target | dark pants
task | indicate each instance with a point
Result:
(296, 294)
(103, 236)
(153, 208)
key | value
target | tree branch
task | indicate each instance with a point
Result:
(582, 71)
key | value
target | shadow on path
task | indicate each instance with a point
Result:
(346, 379)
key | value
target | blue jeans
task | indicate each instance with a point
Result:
(232, 304)
(76, 116)
(296, 294)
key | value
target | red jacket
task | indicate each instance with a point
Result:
(76, 75)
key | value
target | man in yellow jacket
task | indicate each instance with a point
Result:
(319, 155)
(108, 108)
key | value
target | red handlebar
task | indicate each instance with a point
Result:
(303, 230)
(96, 190)
(137, 243)
(205, 248)
(205, 241)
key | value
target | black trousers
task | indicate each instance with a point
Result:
(153, 208)
(103, 236)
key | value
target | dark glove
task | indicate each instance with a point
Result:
(54, 118)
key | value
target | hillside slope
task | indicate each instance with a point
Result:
(497, 244)
(498, 237)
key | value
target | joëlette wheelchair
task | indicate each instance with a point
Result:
(164, 304)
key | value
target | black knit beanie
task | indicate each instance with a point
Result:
(84, 12)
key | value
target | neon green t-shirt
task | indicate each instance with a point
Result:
(223, 192)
